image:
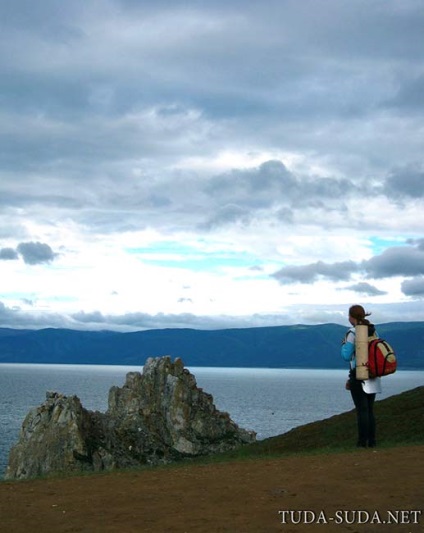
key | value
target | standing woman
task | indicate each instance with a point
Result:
(363, 392)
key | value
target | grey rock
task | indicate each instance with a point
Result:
(158, 416)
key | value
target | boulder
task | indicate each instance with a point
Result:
(158, 416)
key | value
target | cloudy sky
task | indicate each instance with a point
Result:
(210, 164)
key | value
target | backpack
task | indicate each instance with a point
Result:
(381, 358)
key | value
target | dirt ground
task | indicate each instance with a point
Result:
(352, 492)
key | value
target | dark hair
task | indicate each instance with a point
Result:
(358, 312)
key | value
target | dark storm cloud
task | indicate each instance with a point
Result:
(273, 184)
(228, 214)
(365, 288)
(18, 318)
(93, 89)
(407, 182)
(310, 273)
(269, 178)
(8, 254)
(410, 96)
(141, 321)
(395, 261)
(33, 198)
(271, 66)
(413, 287)
(34, 253)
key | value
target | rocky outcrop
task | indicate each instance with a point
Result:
(158, 416)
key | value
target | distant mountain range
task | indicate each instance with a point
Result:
(296, 346)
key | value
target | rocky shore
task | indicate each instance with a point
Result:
(158, 416)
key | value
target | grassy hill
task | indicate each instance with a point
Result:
(400, 421)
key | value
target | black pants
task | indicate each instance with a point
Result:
(364, 404)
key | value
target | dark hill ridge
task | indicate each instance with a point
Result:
(297, 346)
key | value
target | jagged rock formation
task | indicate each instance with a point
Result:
(158, 416)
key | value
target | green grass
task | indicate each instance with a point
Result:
(400, 421)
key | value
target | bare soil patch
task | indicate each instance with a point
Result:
(238, 496)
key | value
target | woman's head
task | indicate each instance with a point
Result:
(358, 314)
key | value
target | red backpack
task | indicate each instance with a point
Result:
(381, 358)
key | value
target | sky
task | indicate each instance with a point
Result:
(210, 164)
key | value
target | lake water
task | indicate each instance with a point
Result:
(268, 401)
